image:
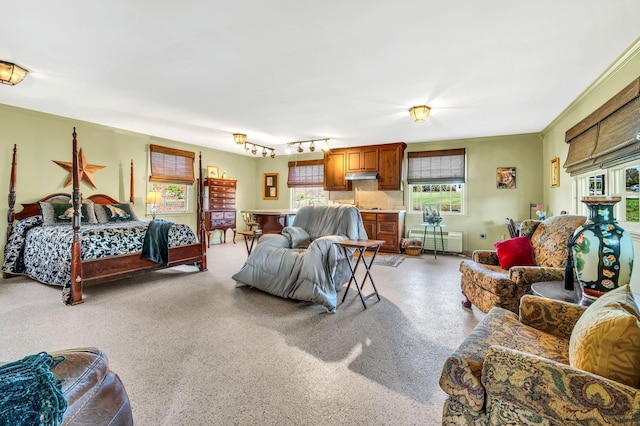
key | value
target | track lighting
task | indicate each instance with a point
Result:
(312, 145)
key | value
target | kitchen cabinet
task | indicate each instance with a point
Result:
(391, 158)
(386, 160)
(334, 171)
(220, 208)
(387, 226)
(362, 159)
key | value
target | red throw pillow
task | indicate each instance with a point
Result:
(515, 252)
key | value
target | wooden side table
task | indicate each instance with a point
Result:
(361, 246)
(555, 290)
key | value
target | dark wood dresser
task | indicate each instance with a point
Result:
(221, 210)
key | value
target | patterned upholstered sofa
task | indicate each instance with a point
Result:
(517, 370)
(485, 284)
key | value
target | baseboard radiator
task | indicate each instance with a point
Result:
(452, 239)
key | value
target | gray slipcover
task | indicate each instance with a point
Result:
(313, 274)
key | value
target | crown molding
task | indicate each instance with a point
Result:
(627, 56)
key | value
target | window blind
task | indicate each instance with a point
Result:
(171, 165)
(443, 166)
(305, 173)
(607, 137)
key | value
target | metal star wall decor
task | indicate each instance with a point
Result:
(84, 170)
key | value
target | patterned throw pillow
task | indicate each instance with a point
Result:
(108, 213)
(59, 213)
(606, 338)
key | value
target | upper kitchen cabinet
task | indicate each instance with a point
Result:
(390, 161)
(335, 163)
(363, 159)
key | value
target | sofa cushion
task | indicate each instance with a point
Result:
(461, 373)
(515, 252)
(549, 240)
(606, 338)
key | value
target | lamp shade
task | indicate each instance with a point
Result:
(419, 113)
(154, 197)
(11, 74)
(240, 138)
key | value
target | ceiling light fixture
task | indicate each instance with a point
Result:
(312, 145)
(11, 74)
(240, 138)
(419, 113)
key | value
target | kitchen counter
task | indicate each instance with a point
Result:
(271, 221)
(381, 211)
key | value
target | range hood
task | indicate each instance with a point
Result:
(361, 176)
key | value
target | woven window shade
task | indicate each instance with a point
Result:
(305, 173)
(444, 166)
(171, 165)
(612, 134)
(580, 150)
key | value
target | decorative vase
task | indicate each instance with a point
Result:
(602, 250)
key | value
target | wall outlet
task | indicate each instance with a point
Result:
(483, 236)
(501, 237)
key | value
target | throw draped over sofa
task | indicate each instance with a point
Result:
(304, 263)
(485, 284)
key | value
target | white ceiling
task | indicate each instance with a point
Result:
(287, 70)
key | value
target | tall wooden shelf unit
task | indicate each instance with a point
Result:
(220, 212)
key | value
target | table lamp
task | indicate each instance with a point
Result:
(154, 198)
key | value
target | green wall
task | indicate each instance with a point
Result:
(622, 72)
(41, 138)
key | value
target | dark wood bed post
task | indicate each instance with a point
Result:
(131, 184)
(76, 247)
(12, 194)
(203, 232)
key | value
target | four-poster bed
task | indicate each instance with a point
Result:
(92, 252)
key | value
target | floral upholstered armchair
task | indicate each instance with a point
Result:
(555, 364)
(488, 280)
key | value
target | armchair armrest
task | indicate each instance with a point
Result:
(554, 317)
(488, 257)
(274, 240)
(527, 275)
(528, 226)
(521, 387)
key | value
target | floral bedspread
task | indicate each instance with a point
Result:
(44, 252)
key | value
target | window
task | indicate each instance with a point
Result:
(171, 177)
(437, 177)
(174, 198)
(306, 182)
(619, 181)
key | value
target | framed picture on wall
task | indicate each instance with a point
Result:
(270, 186)
(506, 177)
(213, 171)
(554, 172)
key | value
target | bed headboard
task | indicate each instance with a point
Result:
(32, 209)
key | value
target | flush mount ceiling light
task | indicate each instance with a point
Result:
(240, 138)
(419, 113)
(11, 74)
(312, 145)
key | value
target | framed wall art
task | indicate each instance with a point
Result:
(213, 172)
(506, 177)
(554, 172)
(270, 186)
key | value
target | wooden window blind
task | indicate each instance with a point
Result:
(443, 166)
(609, 136)
(171, 165)
(305, 173)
